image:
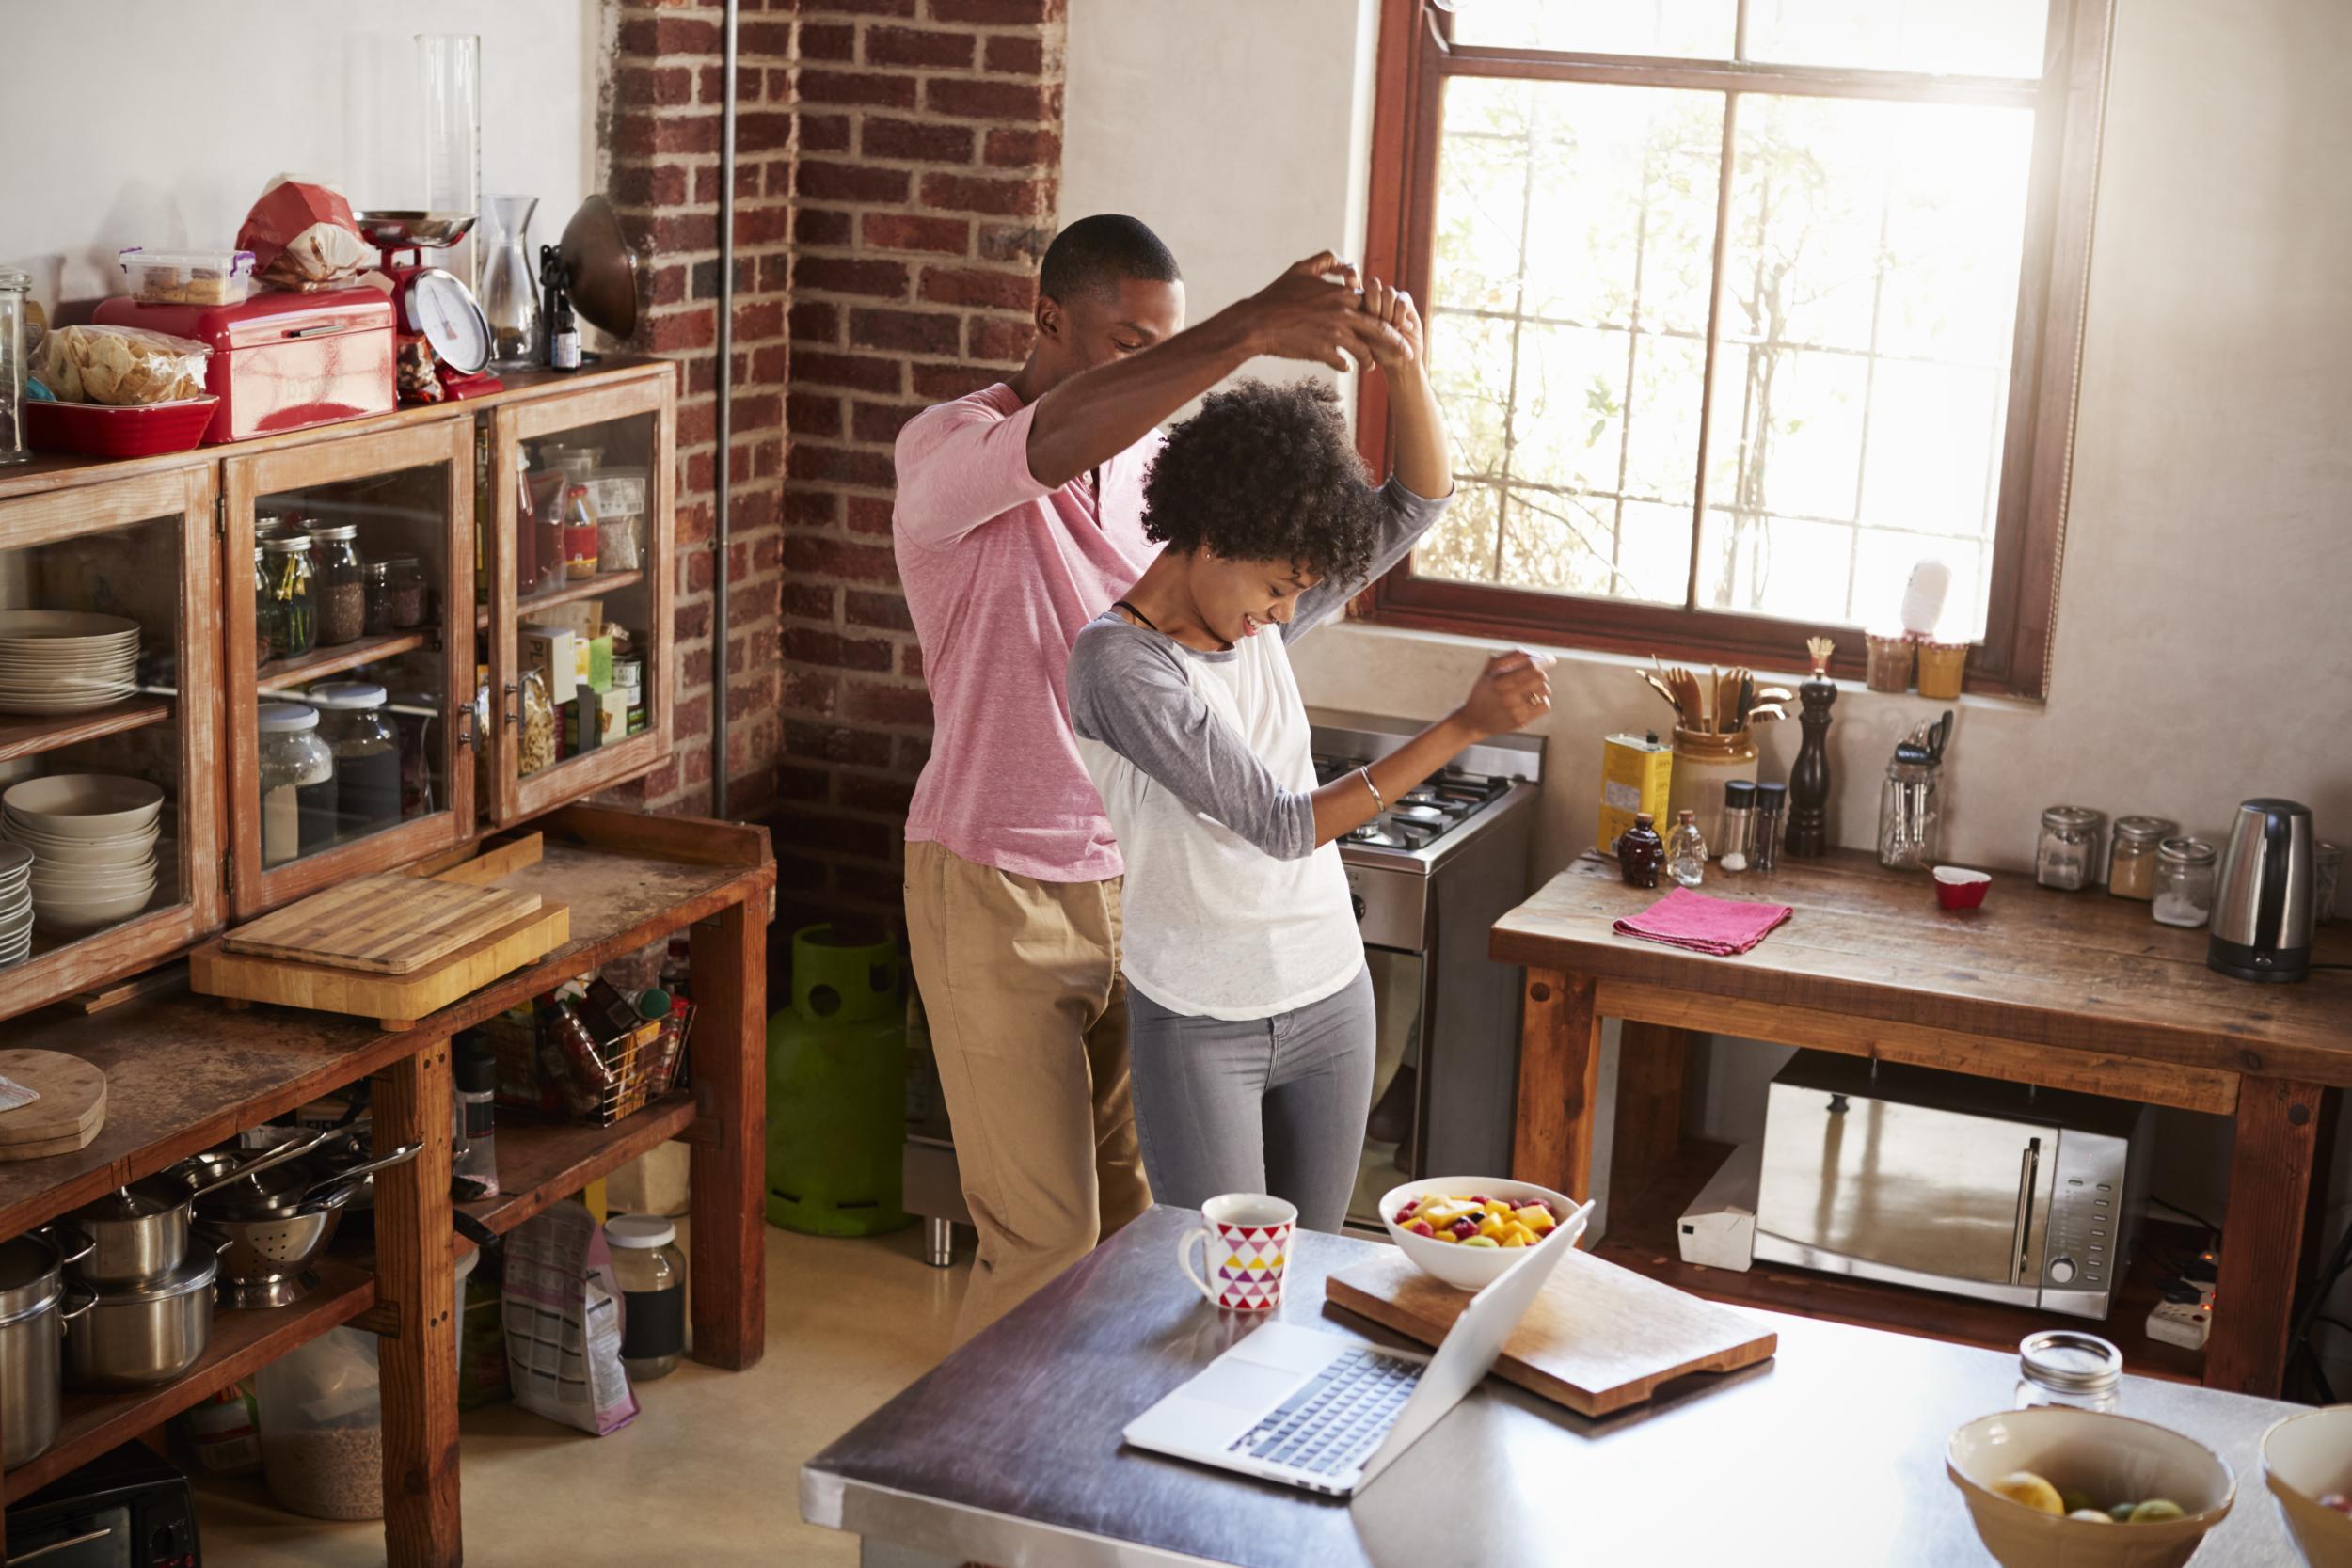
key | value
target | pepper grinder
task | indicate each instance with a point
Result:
(1809, 779)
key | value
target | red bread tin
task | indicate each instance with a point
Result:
(282, 362)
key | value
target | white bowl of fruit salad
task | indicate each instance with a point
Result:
(2055, 1487)
(1468, 1229)
(2306, 1461)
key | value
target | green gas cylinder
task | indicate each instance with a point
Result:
(836, 1090)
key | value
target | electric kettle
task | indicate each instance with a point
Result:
(2262, 911)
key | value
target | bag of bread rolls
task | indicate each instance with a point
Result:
(303, 238)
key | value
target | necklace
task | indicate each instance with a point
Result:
(1148, 624)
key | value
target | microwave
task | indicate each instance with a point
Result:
(128, 1507)
(1946, 1181)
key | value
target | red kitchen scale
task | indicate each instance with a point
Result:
(443, 333)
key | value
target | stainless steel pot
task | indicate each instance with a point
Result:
(138, 1232)
(142, 1334)
(31, 1321)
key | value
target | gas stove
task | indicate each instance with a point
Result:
(1476, 790)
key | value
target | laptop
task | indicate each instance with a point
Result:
(1317, 1411)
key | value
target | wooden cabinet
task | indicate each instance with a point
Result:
(170, 542)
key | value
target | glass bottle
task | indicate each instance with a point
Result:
(375, 578)
(509, 287)
(651, 1272)
(2131, 860)
(1911, 816)
(2184, 881)
(473, 1159)
(15, 288)
(1639, 853)
(338, 584)
(1731, 848)
(2065, 1366)
(411, 604)
(367, 753)
(580, 538)
(1771, 801)
(1686, 852)
(2066, 854)
(294, 628)
(298, 782)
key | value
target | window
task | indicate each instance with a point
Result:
(1740, 309)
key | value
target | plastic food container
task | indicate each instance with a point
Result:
(189, 276)
(96, 429)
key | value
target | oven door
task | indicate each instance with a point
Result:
(1941, 1199)
(100, 1537)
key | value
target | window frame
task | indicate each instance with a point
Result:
(2014, 655)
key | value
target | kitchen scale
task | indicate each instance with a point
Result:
(432, 303)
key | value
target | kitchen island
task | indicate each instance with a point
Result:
(1830, 1454)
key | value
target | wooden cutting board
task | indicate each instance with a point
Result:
(395, 1001)
(384, 924)
(70, 1110)
(1599, 1339)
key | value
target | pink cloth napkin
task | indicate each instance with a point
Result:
(1704, 925)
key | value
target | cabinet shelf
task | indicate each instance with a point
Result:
(542, 1162)
(27, 734)
(586, 588)
(343, 655)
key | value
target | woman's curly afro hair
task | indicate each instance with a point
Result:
(1266, 473)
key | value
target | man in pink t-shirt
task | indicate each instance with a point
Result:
(1019, 520)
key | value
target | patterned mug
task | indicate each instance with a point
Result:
(1249, 1238)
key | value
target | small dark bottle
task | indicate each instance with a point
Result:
(1641, 852)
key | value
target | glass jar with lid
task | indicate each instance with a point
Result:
(367, 753)
(652, 1275)
(2067, 857)
(404, 577)
(2132, 857)
(264, 648)
(338, 584)
(15, 288)
(298, 782)
(1911, 816)
(2185, 883)
(2066, 1367)
(375, 579)
(293, 605)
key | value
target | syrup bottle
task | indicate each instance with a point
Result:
(1639, 853)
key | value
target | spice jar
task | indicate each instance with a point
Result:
(293, 620)
(298, 782)
(629, 674)
(1739, 825)
(2326, 879)
(341, 596)
(1772, 800)
(1639, 853)
(1911, 816)
(2068, 854)
(404, 577)
(265, 621)
(2184, 880)
(375, 579)
(2132, 857)
(2066, 1367)
(651, 1272)
(580, 533)
(367, 753)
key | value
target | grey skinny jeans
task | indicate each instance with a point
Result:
(1255, 1105)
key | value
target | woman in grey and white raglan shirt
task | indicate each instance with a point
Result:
(1251, 1029)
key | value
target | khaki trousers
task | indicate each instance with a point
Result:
(1028, 1022)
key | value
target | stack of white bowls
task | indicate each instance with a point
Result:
(63, 661)
(16, 904)
(93, 839)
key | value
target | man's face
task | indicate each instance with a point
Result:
(1099, 325)
(1243, 598)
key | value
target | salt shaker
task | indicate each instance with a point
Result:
(1764, 832)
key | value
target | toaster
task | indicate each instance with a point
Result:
(281, 361)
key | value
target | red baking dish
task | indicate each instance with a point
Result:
(94, 430)
(282, 362)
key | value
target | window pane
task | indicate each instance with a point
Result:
(1461, 549)
(1862, 372)
(1968, 37)
(1688, 29)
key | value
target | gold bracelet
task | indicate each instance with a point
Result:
(1378, 805)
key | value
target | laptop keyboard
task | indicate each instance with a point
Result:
(1333, 1423)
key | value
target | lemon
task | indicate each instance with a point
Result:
(2023, 1487)
(2157, 1511)
(2090, 1515)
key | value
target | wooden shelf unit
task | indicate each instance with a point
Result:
(541, 1163)
(571, 593)
(24, 735)
(308, 667)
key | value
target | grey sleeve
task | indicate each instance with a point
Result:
(1404, 518)
(1128, 690)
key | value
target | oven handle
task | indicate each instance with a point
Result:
(59, 1546)
(2028, 1159)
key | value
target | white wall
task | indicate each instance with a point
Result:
(156, 123)
(2203, 646)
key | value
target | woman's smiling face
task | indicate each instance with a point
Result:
(1237, 598)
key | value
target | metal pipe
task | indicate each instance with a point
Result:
(723, 385)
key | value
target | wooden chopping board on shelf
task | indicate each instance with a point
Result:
(70, 1110)
(395, 1001)
(382, 924)
(1599, 1339)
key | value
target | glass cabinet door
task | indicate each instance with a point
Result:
(349, 566)
(577, 584)
(109, 724)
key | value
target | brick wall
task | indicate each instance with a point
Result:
(898, 168)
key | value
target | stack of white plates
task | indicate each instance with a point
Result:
(92, 836)
(63, 661)
(16, 903)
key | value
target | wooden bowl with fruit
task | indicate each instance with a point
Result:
(2307, 1464)
(1466, 1230)
(2055, 1487)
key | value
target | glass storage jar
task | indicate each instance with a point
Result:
(2066, 1367)
(580, 540)
(377, 578)
(298, 782)
(264, 649)
(2132, 857)
(405, 581)
(652, 1275)
(338, 584)
(367, 753)
(15, 288)
(293, 607)
(2068, 854)
(1911, 816)
(2184, 881)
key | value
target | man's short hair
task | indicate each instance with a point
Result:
(1094, 255)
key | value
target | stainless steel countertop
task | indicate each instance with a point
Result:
(1832, 1453)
